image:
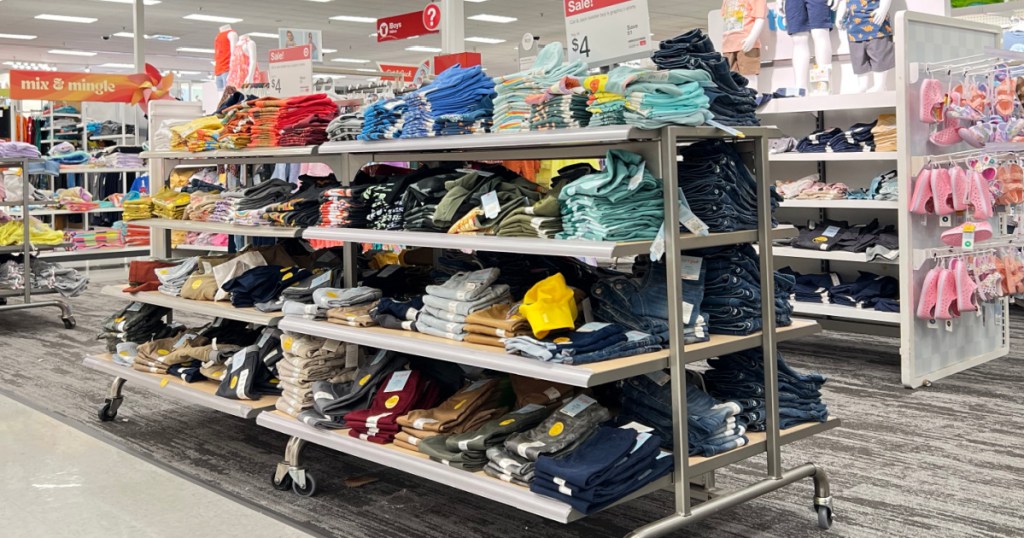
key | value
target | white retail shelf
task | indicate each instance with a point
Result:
(112, 137)
(100, 170)
(95, 253)
(297, 151)
(842, 156)
(820, 103)
(202, 393)
(219, 309)
(840, 204)
(477, 483)
(48, 212)
(835, 255)
(495, 358)
(528, 245)
(758, 445)
(201, 248)
(845, 312)
(219, 227)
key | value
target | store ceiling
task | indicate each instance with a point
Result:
(351, 39)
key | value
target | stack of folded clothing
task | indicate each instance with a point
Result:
(561, 105)
(592, 342)
(731, 101)
(311, 131)
(201, 205)
(301, 293)
(456, 90)
(136, 322)
(262, 284)
(511, 110)
(884, 133)
(345, 127)
(172, 279)
(383, 120)
(739, 378)
(872, 239)
(343, 207)
(264, 194)
(95, 238)
(474, 445)
(121, 157)
(607, 466)
(213, 347)
(264, 131)
(718, 187)
(446, 306)
(427, 430)
(658, 98)
(170, 204)
(302, 208)
(138, 208)
(199, 134)
(884, 187)
(868, 291)
(494, 323)
(252, 370)
(134, 235)
(713, 426)
(645, 307)
(332, 401)
(812, 288)
(623, 202)
(237, 130)
(563, 430)
(732, 291)
(858, 138)
(15, 150)
(402, 391)
(477, 121)
(543, 218)
(225, 207)
(605, 107)
(423, 196)
(349, 306)
(308, 359)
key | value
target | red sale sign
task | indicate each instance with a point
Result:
(403, 26)
(578, 7)
(408, 71)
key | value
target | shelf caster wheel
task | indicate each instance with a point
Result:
(285, 484)
(309, 490)
(824, 517)
(69, 323)
(106, 414)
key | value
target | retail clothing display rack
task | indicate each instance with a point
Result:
(927, 355)
(693, 477)
(27, 250)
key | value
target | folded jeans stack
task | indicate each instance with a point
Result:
(732, 291)
(592, 342)
(719, 188)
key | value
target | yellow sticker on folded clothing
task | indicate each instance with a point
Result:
(286, 343)
(162, 352)
(506, 422)
(365, 379)
(234, 381)
(332, 295)
(460, 404)
(556, 429)
(286, 276)
(164, 382)
(196, 284)
(391, 402)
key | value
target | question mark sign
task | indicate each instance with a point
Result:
(431, 14)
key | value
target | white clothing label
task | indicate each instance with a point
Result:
(492, 207)
(578, 405)
(522, 447)
(565, 491)
(690, 267)
(476, 385)
(419, 423)
(398, 381)
(528, 408)
(696, 226)
(320, 280)
(634, 181)
(638, 427)
(464, 445)
(640, 440)
(263, 339)
(552, 393)
(658, 246)
(831, 231)
(321, 395)
(505, 477)
(135, 307)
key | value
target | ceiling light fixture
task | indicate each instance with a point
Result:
(158, 37)
(350, 60)
(350, 18)
(211, 18)
(72, 52)
(144, 2)
(488, 40)
(492, 18)
(328, 51)
(17, 36)
(264, 34)
(118, 66)
(65, 18)
(194, 49)
(421, 48)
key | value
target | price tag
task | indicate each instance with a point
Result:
(602, 32)
(291, 71)
(690, 267)
(578, 405)
(492, 207)
(634, 181)
(831, 231)
(398, 381)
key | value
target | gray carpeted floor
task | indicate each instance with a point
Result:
(939, 461)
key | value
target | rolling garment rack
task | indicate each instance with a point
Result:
(27, 249)
(659, 147)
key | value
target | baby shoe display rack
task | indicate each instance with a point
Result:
(927, 355)
(27, 250)
(693, 478)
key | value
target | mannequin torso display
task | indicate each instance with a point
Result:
(872, 51)
(244, 69)
(743, 22)
(223, 44)
(806, 20)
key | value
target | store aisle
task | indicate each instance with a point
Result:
(50, 468)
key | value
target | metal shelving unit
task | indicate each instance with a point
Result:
(835, 157)
(27, 249)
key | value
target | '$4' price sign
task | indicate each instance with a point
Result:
(620, 30)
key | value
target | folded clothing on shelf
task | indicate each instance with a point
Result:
(512, 112)
(333, 400)
(720, 191)
(308, 359)
(732, 291)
